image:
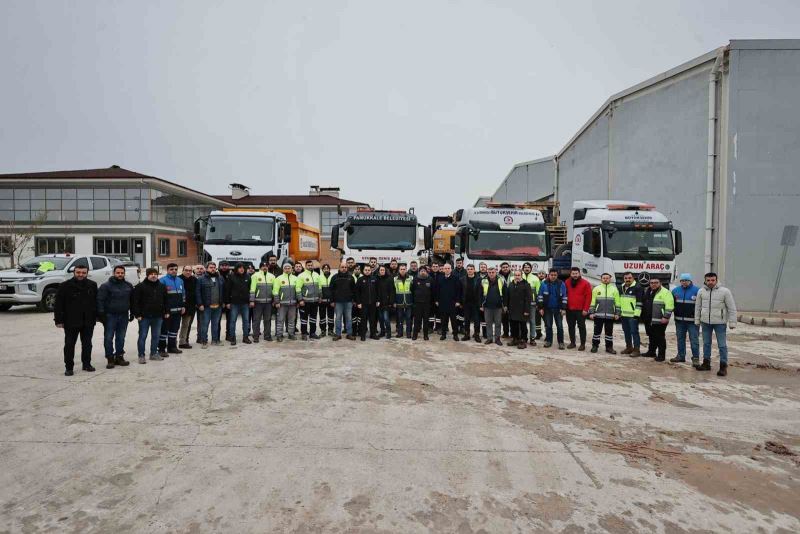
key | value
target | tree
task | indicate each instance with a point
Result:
(15, 238)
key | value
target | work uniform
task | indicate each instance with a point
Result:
(190, 288)
(284, 295)
(261, 298)
(506, 278)
(685, 298)
(422, 295)
(494, 300)
(534, 283)
(434, 319)
(630, 301)
(326, 311)
(403, 301)
(176, 299)
(309, 293)
(661, 307)
(604, 307)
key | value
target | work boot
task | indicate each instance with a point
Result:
(184, 346)
(174, 350)
(723, 369)
(255, 338)
(548, 344)
(363, 338)
(488, 341)
(268, 338)
(705, 366)
(443, 337)
(571, 345)
(561, 346)
(163, 353)
(233, 341)
(477, 338)
(649, 354)
(121, 361)
(514, 342)
(610, 350)
(414, 336)
(337, 338)
(660, 358)
(351, 337)
(68, 372)
(142, 359)
(88, 368)
(425, 337)
(532, 343)
(465, 338)
(522, 345)
(313, 336)
(279, 339)
(156, 357)
(538, 336)
(695, 362)
(582, 347)
(292, 337)
(677, 359)
(498, 342)
(110, 364)
(304, 337)
(246, 340)
(594, 349)
(628, 349)
(635, 353)
(455, 337)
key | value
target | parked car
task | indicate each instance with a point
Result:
(32, 283)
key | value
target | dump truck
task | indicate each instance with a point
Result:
(383, 234)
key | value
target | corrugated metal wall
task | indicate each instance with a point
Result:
(527, 182)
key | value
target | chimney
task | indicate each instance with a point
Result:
(330, 191)
(314, 191)
(239, 191)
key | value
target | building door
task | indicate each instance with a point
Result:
(138, 251)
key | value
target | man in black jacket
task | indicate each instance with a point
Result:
(366, 302)
(113, 310)
(472, 291)
(150, 306)
(448, 300)
(422, 296)
(237, 301)
(190, 287)
(342, 290)
(76, 313)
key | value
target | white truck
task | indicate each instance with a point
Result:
(30, 284)
(616, 236)
(502, 234)
(245, 236)
(384, 235)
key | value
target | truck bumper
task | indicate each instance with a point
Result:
(18, 294)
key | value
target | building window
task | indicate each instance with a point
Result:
(328, 218)
(163, 247)
(55, 245)
(182, 248)
(111, 247)
(5, 246)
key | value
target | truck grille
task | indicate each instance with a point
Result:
(664, 277)
(9, 290)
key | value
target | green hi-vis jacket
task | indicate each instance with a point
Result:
(261, 287)
(284, 290)
(631, 300)
(663, 304)
(534, 282)
(309, 286)
(605, 302)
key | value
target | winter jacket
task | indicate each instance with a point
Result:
(261, 287)
(579, 296)
(630, 300)
(176, 293)
(715, 306)
(367, 290)
(76, 303)
(422, 291)
(494, 293)
(605, 302)
(190, 287)
(386, 290)
(206, 286)
(660, 304)
(460, 273)
(534, 282)
(149, 299)
(519, 300)
(237, 289)
(472, 291)
(448, 293)
(309, 286)
(284, 290)
(403, 298)
(114, 297)
(342, 287)
(552, 295)
(324, 282)
(684, 302)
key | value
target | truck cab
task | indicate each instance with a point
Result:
(616, 236)
(384, 235)
(502, 234)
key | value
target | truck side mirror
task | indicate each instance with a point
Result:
(335, 237)
(287, 232)
(427, 238)
(453, 243)
(678, 242)
(595, 243)
(200, 228)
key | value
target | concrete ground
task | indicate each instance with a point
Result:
(397, 437)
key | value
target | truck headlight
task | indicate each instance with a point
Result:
(32, 288)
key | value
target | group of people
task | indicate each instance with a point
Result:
(485, 305)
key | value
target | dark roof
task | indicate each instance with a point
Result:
(290, 200)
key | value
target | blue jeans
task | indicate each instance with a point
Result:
(404, 318)
(344, 310)
(210, 316)
(153, 324)
(243, 311)
(720, 330)
(551, 316)
(630, 327)
(115, 327)
(384, 322)
(681, 329)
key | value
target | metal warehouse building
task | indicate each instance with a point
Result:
(715, 145)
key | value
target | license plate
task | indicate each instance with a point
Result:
(3, 287)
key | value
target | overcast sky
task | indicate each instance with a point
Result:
(413, 103)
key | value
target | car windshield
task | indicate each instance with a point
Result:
(377, 237)
(638, 244)
(32, 264)
(240, 230)
(508, 245)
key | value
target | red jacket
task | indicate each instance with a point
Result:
(580, 296)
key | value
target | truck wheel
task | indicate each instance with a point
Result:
(5, 307)
(48, 302)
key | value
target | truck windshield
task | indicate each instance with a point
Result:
(377, 237)
(240, 230)
(637, 244)
(508, 245)
(32, 264)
